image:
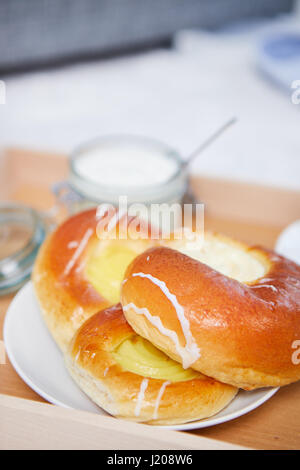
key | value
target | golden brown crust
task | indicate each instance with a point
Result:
(65, 295)
(92, 365)
(245, 332)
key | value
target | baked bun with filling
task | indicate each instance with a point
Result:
(79, 269)
(225, 309)
(129, 378)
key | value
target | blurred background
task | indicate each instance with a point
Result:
(171, 69)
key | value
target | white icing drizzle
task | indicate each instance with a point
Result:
(274, 289)
(78, 251)
(105, 371)
(156, 321)
(80, 267)
(191, 348)
(72, 244)
(159, 397)
(141, 395)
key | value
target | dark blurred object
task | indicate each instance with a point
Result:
(41, 32)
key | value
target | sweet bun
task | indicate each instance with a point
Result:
(79, 270)
(131, 379)
(226, 309)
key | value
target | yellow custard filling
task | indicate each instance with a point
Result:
(106, 266)
(139, 356)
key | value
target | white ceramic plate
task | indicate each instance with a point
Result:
(39, 362)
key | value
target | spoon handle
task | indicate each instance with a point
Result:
(209, 141)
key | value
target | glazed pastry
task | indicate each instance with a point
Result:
(225, 309)
(131, 379)
(79, 270)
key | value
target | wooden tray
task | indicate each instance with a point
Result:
(253, 213)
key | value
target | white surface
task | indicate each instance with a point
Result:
(178, 96)
(38, 361)
(288, 242)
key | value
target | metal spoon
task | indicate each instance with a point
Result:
(209, 141)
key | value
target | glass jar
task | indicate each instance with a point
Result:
(22, 230)
(142, 169)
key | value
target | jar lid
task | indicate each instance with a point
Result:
(22, 231)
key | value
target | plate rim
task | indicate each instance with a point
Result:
(205, 423)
